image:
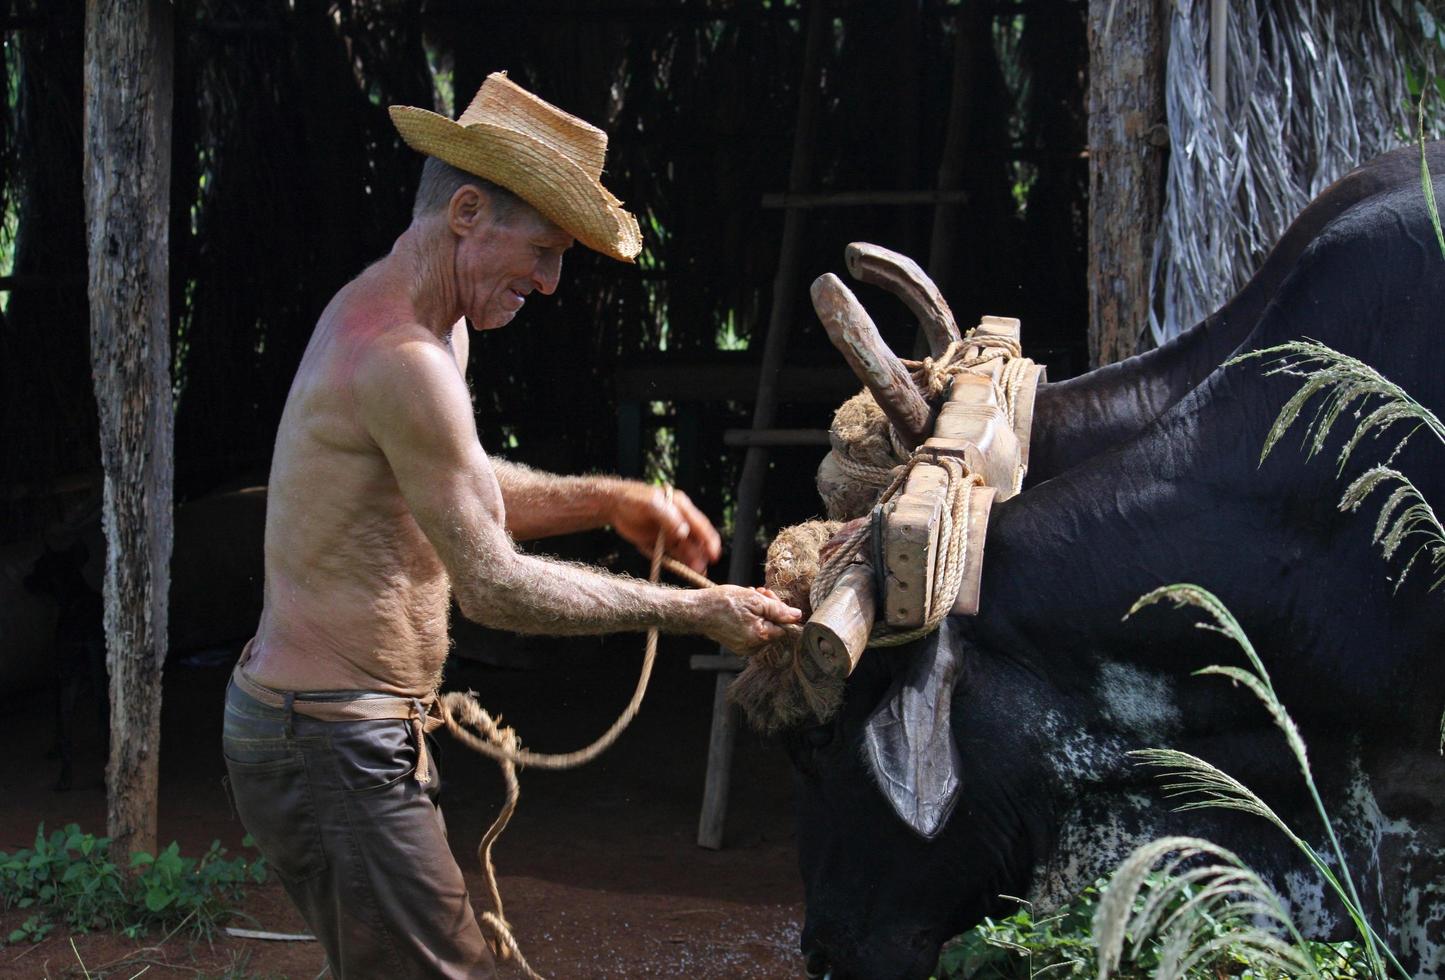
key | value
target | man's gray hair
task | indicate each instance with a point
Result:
(440, 180)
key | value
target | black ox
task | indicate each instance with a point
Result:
(1147, 473)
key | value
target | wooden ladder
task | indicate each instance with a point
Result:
(762, 436)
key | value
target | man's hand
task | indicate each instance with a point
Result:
(639, 511)
(742, 619)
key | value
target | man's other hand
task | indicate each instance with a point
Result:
(743, 619)
(639, 511)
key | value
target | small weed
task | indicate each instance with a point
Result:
(70, 877)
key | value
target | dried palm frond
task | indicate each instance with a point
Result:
(1196, 909)
(1314, 89)
(1213, 787)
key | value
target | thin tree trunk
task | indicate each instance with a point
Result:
(128, 95)
(1127, 141)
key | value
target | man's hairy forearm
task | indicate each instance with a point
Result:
(528, 594)
(542, 504)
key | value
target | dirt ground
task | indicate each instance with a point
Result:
(599, 870)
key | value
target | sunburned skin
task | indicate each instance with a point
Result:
(382, 502)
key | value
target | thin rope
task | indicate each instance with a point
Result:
(466, 718)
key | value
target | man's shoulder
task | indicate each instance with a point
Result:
(402, 356)
(405, 382)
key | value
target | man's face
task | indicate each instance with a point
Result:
(499, 264)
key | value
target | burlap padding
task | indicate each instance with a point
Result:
(781, 687)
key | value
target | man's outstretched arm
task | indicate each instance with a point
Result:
(415, 405)
(540, 505)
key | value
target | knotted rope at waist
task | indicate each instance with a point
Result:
(423, 713)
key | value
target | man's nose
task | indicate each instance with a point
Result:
(547, 274)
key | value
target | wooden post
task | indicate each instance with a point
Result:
(942, 243)
(128, 93)
(755, 462)
(853, 332)
(1127, 139)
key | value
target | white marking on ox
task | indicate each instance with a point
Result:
(1138, 702)
(1414, 915)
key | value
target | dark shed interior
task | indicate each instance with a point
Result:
(288, 178)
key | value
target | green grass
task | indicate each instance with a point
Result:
(1023, 946)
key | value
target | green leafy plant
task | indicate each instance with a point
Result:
(1023, 946)
(70, 877)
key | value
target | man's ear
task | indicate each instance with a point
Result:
(468, 210)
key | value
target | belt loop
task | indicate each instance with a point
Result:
(418, 731)
(290, 707)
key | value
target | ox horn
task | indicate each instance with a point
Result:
(853, 332)
(901, 276)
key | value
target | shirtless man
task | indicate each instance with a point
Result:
(383, 505)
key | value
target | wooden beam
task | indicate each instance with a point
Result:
(775, 437)
(129, 74)
(837, 633)
(855, 199)
(10, 284)
(727, 380)
(943, 240)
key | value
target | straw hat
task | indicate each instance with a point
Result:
(549, 158)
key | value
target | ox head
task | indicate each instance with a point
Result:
(953, 776)
(917, 807)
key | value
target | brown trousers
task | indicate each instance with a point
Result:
(358, 843)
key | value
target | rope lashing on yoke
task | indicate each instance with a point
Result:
(948, 574)
(862, 463)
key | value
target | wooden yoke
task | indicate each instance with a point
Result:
(854, 334)
(973, 424)
(837, 632)
(902, 277)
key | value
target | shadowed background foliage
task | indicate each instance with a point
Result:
(288, 179)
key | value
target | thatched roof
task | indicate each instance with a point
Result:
(1314, 89)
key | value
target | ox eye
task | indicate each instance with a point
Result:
(818, 737)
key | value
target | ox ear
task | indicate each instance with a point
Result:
(908, 741)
